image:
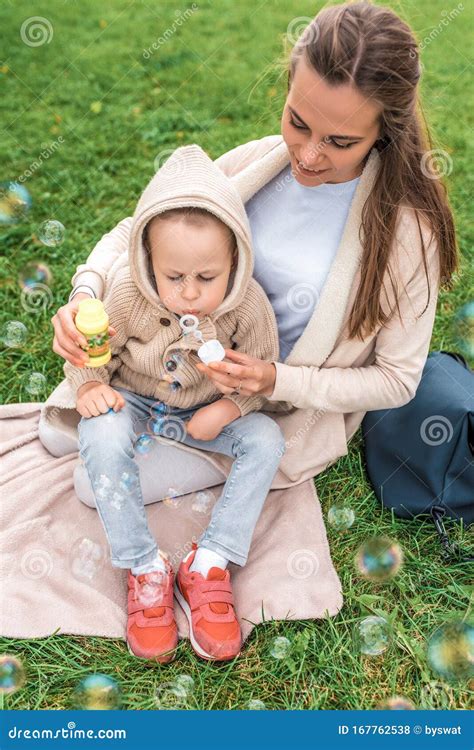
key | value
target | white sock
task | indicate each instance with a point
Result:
(205, 559)
(156, 564)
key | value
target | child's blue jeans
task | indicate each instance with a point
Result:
(107, 446)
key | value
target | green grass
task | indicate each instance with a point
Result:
(214, 82)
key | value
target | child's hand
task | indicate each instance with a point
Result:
(208, 422)
(94, 398)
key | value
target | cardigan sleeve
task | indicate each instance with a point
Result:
(119, 303)
(256, 335)
(110, 247)
(401, 349)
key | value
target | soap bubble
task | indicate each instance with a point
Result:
(97, 692)
(379, 558)
(170, 696)
(464, 325)
(397, 703)
(372, 635)
(172, 500)
(437, 696)
(86, 558)
(341, 517)
(128, 482)
(160, 409)
(202, 502)
(280, 648)
(15, 201)
(156, 425)
(33, 274)
(104, 487)
(143, 444)
(149, 592)
(254, 704)
(34, 383)
(14, 334)
(185, 683)
(12, 674)
(51, 233)
(451, 651)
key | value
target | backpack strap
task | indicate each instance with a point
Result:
(452, 552)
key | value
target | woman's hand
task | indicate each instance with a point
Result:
(257, 375)
(67, 339)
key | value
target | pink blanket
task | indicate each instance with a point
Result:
(55, 573)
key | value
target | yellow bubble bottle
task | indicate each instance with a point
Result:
(93, 322)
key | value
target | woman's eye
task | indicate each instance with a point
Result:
(211, 279)
(174, 278)
(295, 125)
(340, 145)
(329, 142)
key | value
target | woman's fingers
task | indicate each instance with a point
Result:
(67, 338)
(66, 317)
(220, 378)
(239, 357)
(70, 352)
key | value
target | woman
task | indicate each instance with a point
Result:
(352, 238)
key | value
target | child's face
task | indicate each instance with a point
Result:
(191, 263)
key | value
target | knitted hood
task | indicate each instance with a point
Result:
(190, 178)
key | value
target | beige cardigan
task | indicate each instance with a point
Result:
(331, 380)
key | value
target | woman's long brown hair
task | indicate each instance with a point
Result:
(371, 48)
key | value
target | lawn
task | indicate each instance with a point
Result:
(113, 104)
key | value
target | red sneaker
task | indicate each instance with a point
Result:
(208, 604)
(151, 627)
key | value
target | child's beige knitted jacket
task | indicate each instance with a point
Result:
(147, 332)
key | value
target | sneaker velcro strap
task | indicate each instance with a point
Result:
(197, 598)
(165, 619)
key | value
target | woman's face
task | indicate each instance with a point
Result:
(330, 128)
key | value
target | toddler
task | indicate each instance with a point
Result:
(189, 255)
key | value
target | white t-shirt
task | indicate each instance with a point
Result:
(296, 231)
